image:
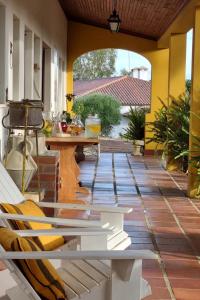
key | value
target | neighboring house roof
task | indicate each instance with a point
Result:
(128, 90)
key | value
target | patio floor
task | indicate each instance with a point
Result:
(163, 220)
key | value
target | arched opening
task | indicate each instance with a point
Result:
(121, 74)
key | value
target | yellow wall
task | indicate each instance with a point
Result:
(182, 24)
(193, 179)
(84, 38)
(159, 89)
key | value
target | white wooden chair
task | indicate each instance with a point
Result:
(88, 279)
(88, 275)
(110, 217)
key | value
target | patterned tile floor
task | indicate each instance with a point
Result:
(163, 220)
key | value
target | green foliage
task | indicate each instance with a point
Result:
(188, 85)
(95, 64)
(107, 108)
(159, 127)
(195, 156)
(135, 130)
(171, 128)
(178, 126)
(125, 72)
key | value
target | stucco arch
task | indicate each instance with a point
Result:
(84, 38)
(113, 49)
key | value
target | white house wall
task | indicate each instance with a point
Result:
(45, 24)
(46, 20)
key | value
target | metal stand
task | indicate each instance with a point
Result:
(26, 127)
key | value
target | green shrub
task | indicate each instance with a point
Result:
(107, 108)
(136, 125)
(171, 128)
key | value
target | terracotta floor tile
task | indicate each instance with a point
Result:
(171, 241)
(159, 294)
(176, 249)
(156, 282)
(183, 269)
(163, 224)
(185, 283)
(140, 234)
(141, 240)
(152, 271)
(141, 246)
(152, 220)
(174, 256)
(167, 230)
(187, 294)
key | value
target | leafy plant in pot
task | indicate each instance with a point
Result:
(170, 129)
(135, 130)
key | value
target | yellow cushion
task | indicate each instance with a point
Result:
(30, 208)
(40, 273)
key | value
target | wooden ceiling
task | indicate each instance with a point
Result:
(145, 18)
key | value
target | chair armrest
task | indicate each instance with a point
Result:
(64, 232)
(54, 221)
(100, 208)
(90, 255)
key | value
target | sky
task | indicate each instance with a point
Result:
(128, 60)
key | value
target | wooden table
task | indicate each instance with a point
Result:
(69, 169)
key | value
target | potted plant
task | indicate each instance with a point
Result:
(135, 130)
(159, 130)
(170, 129)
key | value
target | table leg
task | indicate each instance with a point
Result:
(69, 173)
(80, 189)
(68, 187)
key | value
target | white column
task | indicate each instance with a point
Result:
(37, 86)
(60, 85)
(9, 53)
(64, 86)
(18, 59)
(47, 79)
(21, 60)
(2, 54)
(16, 52)
(28, 64)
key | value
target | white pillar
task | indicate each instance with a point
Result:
(47, 79)
(29, 64)
(18, 59)
(2, 54)
(9, 52)
(37, 86)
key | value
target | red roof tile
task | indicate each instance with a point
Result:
(128, 90)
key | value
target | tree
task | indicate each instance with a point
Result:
(95, 64)
(125, 72)
(107, 108)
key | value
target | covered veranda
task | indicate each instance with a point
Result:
(50, 32)
(156, 30)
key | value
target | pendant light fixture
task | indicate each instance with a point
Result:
(114, 20)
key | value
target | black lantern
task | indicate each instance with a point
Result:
(114, 21)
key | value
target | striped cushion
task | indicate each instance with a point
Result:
(30, 208)
(40, 273)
